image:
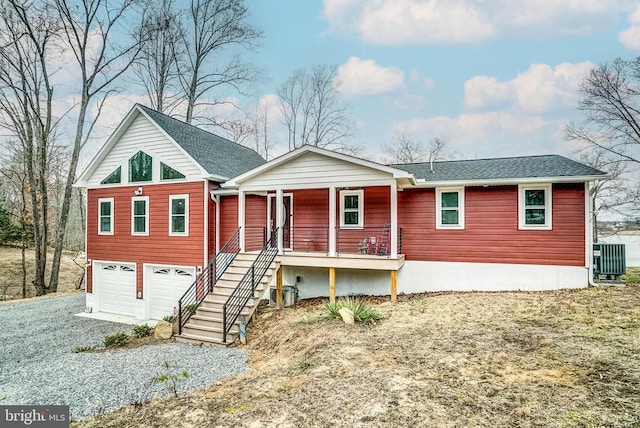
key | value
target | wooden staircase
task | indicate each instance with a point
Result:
(205, 327)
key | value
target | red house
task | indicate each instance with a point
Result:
(334, 225)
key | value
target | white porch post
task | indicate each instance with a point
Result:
(332, 221)
(218, 201)
(279, 222)
(394, 220)
(241, 219)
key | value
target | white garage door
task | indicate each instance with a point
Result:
(166, 287)
(116, 287)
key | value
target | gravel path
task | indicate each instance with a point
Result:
(38, 365)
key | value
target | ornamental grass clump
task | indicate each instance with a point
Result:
(362, 311)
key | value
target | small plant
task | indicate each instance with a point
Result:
(80, 349)
(171, 318)
(142, 330)
(116, 340)
(172, 376)
(191, 308)
(362, 311)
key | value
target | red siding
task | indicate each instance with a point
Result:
(491, 232)
(158, 247)
(255, 217)
(228, 217)
(211, 240)
(311, 220)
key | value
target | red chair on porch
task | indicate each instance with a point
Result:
(380, 243)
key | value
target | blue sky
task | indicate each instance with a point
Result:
(490, 77)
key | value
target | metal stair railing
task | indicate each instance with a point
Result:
(204, 283)
(247, 286)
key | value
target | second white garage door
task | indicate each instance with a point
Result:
(166, 286)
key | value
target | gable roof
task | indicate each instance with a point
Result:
(218, 156)
(525, 168)
(294, 154)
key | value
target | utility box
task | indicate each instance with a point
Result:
(609, 261)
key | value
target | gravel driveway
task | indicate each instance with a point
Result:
(38, 365)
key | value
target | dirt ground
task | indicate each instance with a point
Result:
(510, 359)
(11, 272)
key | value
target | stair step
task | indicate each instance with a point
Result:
(204, 330)
(201, 340)
(216, 311)
(212, 321)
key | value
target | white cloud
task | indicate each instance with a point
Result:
(361, 77)
(492, 134)
(400, 22)
(540, 89)
(630, 37)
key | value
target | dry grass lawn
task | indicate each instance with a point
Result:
(11, 272)
(517, 359)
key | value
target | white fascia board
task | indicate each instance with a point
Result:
(106, 148)
(213, 177)
(510, 181)
(396, 173)
(303, 186)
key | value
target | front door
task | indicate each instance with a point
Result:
(287, 220)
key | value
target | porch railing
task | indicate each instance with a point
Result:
(204, 283)
(246, 288)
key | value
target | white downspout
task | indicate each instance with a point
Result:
(590, 192)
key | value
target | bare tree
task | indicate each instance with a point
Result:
(100, 63)
(312, 109)
(261, 125)
(610, 101)
(405, 148)
(609, 136)
(211, 31)
(27, 36)
(157, 66)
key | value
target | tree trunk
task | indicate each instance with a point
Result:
(68, 193)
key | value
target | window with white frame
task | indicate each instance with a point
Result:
(105, 216)
(534, 207)
(179, 215)
(140, 215)
(351, 208)
(450, 208)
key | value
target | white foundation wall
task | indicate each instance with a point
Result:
(420, 276)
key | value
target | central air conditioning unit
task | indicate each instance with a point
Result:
(288, 295)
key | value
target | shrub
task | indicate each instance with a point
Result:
(116, 339)
(80, 349)
(142, 330)
(172, 376)
(362, 311)
(169, 318)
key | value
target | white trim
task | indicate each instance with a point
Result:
(421, 183)
(205, 234)
(461, 212)
(93, 298)
(332, 221)
(394, 220)
(186, 215)
(111, 216)
(319, 185)
(146, 225)
(123, 126)
(360, 210)
(396, 173)
(270, 196)
(170, 180)
(241, 220)
(548, 206)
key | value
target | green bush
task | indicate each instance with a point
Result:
(362, 311)
(116, 339)
(169, 318)
(142, 330)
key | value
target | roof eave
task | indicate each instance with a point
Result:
(511, 181)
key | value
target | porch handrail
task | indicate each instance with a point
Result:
(246, 288)
(195, 294)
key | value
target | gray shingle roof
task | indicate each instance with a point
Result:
(217, 155)
(547, 166)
